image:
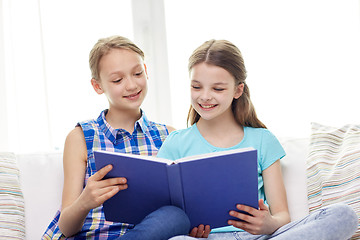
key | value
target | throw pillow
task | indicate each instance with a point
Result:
(12, 212)
(333, 167)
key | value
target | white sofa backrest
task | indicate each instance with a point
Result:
(41, 177)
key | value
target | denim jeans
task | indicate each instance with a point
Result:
(335, 222)
(162, 224)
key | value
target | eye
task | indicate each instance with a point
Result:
(139, 73)
(117, 81)
(195, 87)
(219, 89)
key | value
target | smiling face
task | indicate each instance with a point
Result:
(212, 91)
(123, 79)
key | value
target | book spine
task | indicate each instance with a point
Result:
(175, 186)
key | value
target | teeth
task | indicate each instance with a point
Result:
(207, 106)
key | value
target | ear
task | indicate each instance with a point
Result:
(239, 89)
(97, 86)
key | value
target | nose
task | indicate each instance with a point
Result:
(205, 95)
(130, 84)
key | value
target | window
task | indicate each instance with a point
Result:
(46, 73)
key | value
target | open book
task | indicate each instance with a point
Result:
(205, 186)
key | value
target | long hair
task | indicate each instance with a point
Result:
(103, 47)
(226, 55)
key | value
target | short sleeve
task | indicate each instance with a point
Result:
(168, 149)
(271, 150)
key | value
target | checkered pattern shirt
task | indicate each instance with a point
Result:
(99, 135)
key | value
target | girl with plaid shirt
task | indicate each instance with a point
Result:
(119, 72)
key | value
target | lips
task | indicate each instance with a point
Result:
(133, 96)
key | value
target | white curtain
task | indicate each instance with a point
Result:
(45, 76)
(44, 73)
(24, 99)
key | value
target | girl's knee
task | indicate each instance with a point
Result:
(343, 210)
(345, 214)
(164, 223)
(176, 216)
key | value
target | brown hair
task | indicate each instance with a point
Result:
(226, 55)
(103, 47)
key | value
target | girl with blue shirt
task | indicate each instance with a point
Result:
(118, 71)
(222, 117)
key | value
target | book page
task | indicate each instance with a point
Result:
(142, 157)
(213, 154)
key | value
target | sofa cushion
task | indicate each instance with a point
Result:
(12, 212)
(333, 167)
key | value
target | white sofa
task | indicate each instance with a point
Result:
(41, 179)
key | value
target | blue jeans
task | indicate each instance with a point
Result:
(335, 222)
(162, 224)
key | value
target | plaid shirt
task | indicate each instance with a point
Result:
(99, 135)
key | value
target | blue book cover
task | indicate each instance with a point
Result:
(206, 186)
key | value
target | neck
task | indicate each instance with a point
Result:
(220, 126)
(224, 121)
(221, 132)
(124, 119)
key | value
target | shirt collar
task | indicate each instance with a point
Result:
(143, 123)
(113, 134)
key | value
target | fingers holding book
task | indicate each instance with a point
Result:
(255, 221)
(98, 190)
(201, 231)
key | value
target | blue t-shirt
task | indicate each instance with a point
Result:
(189, 142)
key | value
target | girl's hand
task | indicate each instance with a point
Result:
(97, 190)
(200, 232)
(260, 221)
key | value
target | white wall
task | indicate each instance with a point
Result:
(302, 57)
